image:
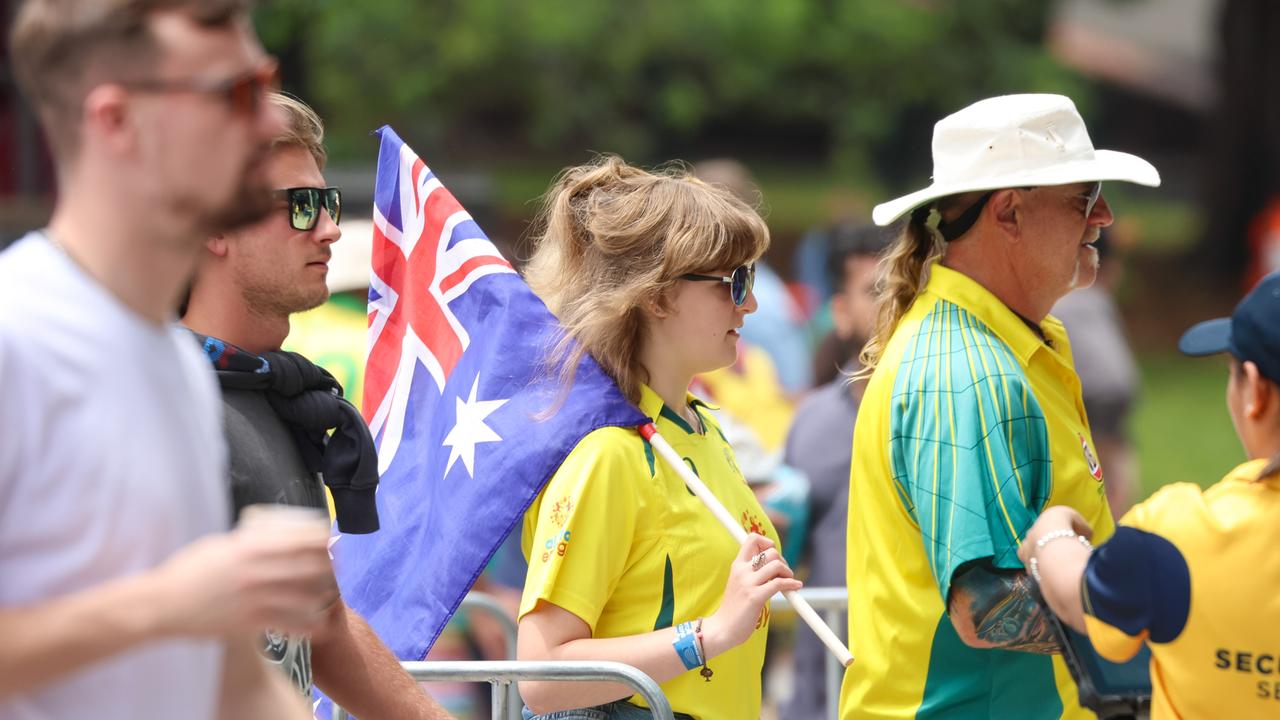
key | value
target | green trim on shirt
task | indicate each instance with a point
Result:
(1013, 684)
(675, 418)
(667, 611)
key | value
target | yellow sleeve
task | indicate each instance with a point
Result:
(1111, 642)
(579, 533)
(1163, 509)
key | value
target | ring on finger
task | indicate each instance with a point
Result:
(758, 560)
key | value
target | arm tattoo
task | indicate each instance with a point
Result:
(1002, 608)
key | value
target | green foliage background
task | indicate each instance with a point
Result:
(813, 94)
(1181, 429)
(853, 84)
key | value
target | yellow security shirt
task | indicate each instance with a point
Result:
(618, 540)
(1196, 575)
(971, 424)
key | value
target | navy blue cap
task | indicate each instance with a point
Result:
(1252, 333)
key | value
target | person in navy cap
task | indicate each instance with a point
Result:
(1191, 572)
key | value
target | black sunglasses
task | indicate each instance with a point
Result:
(305, 203)
(740, 281)
(243, 93)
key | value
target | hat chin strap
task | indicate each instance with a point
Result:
(961, 225)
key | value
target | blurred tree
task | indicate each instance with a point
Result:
(859, 80)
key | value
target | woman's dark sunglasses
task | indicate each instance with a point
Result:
(740, 281)
(305, 204)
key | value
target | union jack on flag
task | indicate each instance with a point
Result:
(426, 244)
(453, 382)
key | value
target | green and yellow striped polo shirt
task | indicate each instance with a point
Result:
(970, 426)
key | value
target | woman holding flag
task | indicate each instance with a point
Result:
(651, 274)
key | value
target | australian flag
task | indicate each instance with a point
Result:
(456, 394)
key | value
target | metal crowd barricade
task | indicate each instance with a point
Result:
(503, 674)
(487, 604)
(833, 604)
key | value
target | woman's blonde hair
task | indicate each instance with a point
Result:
(611, 237)
(903, 274)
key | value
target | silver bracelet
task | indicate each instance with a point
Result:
(1034, 565)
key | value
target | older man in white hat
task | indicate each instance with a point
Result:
(972, 421)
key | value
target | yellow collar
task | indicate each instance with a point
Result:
(1247, 472)
(960, 289)
(651, 404)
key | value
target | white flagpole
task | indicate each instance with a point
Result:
(695, 484)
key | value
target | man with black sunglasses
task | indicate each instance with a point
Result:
(972, 421)
(122, 595)
(279, 408)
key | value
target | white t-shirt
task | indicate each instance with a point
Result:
(111, 458)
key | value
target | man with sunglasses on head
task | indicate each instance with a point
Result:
(121, 594)
(972, 421)
(279, 408)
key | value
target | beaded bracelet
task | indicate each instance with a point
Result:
(706, 672)
(1034, 565)
(686, 646)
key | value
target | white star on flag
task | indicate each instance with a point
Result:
(469, 429)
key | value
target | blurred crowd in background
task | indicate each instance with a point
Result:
(788, 406)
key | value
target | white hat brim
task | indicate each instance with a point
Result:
(1104, 165)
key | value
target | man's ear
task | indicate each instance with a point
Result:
(1005, 207)
(841, 315)
(218, 245)
(105, 115)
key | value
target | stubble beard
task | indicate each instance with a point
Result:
(250, 202)
(277, 299)
(1092, 267)
(247, 206)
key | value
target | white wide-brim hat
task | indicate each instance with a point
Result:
(1015, 141)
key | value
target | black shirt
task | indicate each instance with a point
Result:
(266, 467)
